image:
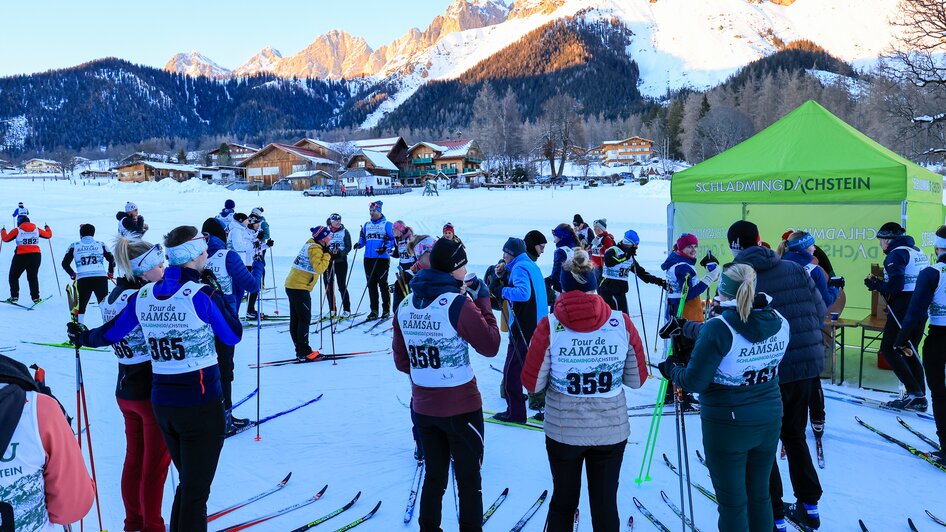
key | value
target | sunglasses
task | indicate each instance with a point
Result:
(158, 247)
(200, 236)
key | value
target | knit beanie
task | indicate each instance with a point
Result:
(376, 205)
(86, 230)
(258, 211)
(213, 227)
(534, 238)
(587, 283)
(632, 239)
(687, 239)
(448, 227)
(319, 232)
(801, 244)
(130, 207)
(890, 230)
(560, 232)
(447, 256)
(577, 220)
(602, 223)
(229, 204)
(743, 234)
(514, 246)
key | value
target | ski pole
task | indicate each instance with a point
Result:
(677, 414)
(365, 291)
(55, 270)
(275, 294)
(899, 326)
(640, 306)
(259, 327)
(686, 462)
(660, 310)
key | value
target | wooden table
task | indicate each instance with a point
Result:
(875, 326)
(837, 336)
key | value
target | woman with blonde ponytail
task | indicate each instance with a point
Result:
(734, 368)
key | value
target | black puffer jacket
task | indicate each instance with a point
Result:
(795, 297)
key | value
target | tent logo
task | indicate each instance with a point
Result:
(811, 184)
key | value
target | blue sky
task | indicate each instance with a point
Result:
(39, 35)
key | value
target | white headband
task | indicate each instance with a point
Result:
(145, 262)
(187, 251)
(940, 242)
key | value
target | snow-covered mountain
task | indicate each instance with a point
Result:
(196, 64)
(677, 43)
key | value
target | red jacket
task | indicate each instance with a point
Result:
(579, 312)
(27, 227)
(597, 254)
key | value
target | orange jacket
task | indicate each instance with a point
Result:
(28, 227)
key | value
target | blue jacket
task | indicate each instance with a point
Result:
(695, 291)
(243, 279)
(919, 307)
(558, 258)
(184, 389)
(795, 297)
(526, 292)
(368, 238)
(803, 258)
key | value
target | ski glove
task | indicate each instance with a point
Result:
(872, 283)
(75, 332)
(662, 283)
(709, 258)
(381, 250)
(671, 328)
(836, 282)
(358, 245)
(270, 243)
(496, 288)
(666, 367)
(712, 273)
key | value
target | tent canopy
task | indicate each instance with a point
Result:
(809, 156)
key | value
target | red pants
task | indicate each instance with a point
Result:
(146, 467)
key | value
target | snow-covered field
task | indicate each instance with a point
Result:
(357, 438)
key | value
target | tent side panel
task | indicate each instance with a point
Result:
(709, 222)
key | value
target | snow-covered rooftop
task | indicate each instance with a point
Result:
(162, 166)
(378, 159)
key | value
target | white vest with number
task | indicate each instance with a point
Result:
(749, 363)
(22, 483)
(338, 239)
(122, 230)
(439, 357)
(620, 271)
(133, 348)
(938, 306)
(302, 261)
(240, 240)
(405, 259)
(675, 289)
(27, 238)
(588, 364)
(218, 264)
(911, 271)
(179, 341)
(89, 257)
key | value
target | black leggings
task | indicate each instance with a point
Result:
(614, 296)
(376, 273)
(194, 436)
(934, 360)
(300, 314)
(908, 369)
(225, 363)
(87, 286)
(337, 273)
(603, 464)
(29, 263)
(459, 437)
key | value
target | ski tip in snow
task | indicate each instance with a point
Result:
(863, 526)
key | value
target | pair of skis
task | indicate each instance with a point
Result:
(253, 424)
(64, 345)
(912, 526)
(315, 357)
(872, 403)
(904, 445)
(262, 519)
(26, 307)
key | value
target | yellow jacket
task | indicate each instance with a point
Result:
(301, 279)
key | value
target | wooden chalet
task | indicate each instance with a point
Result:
(303, 180)
(277, 161)
(375, 162)
(41, 166)
(633, 150)
(144, 156)
(449, 157)
(141, 171)
(238, 154)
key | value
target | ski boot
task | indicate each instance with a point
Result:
(372, 316)
(803, 513)
(917, 403)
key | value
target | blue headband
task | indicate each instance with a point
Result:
(939, 242)
(802, 243)
(187, 251)
(142, 263)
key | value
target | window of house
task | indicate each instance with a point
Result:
(298, 168)
(453, 165)
(361, 164)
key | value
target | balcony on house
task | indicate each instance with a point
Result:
(422, 160)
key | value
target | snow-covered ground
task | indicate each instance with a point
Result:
(357, 438)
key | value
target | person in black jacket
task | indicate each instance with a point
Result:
(339, 247)
(130, 223)
(795, 297)
(619, 263)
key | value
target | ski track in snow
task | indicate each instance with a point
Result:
(358, 436)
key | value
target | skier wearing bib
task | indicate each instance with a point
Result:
(680, 269)
(930, 296)
(403, 235)
(230, 274)
(185, 390)
(20, 210)
(45, 482)
(565, 239)
(146, 455)
(240, 239)
(339, 247)
(90, 275)
(582, 231)
(27, 256)
(740, 406)
(600, 244)
(130, 224)
(226, 214)
(434, 328)
(582, 355)
(377, 237)
(620, 261)
(311, 262)
(795, 297)
(902, 265)
(261, 243)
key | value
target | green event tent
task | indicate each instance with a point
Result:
(810, 171)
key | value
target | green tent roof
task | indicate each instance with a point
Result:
(809, 156)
